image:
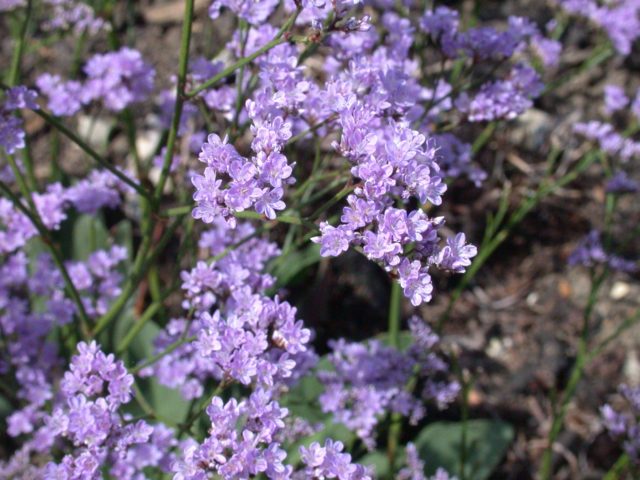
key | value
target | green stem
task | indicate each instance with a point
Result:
(616, 472)
(277, 40)
(574, 379)
(137, 327)
(56, 256)
(160, 355)
(186, 426)
(183, 65)
(147, 408)
(14, 78)
(623, 327)
(395, 426)
(144, 259)
(58, 125)
(545, 189)
(16, 60)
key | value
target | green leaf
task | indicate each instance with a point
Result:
(89, 234)
(334, 431)
(439, 445)
(124, 237)
(380, 462)
(167, 402)
(295, 262)
(302, 399)
(405, 339)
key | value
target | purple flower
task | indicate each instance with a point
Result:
(65, 98)
(614, 99)
(621, 183)
(118, 79)
(254, 12)
(333, 241)
(456, 255)
(20, 97)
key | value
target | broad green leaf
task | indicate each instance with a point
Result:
(405, 339)
(167, 403)
(89, 235)
(379, 461)
(124, 237)
(439, 445)
(287, 268)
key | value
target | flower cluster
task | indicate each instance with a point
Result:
(377, 112)
(624, 425)
(86, 416)
(370, 380)
(253, 183)
(11, 127)
(117, 79)
(64, 15)
(74, 15)
(241, 445)
(415, 468)
(591, 252)
(100, 189)
(619, 19)
(250, 338)
(26, 328)
(354, 117)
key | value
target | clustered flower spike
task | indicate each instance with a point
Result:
(250, 338)
(100, 189)
(12, 132)
(74, 15)
(241, 445)
(619, 146)
(415, 468)
(591, 252)
(27, 329)
(256, 183)
(117, 79)
(380, 117)
(624, 424)
(619, 19)
(368, 380)
(380, 129)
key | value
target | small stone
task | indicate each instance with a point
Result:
(631, 368)
(495, 349)
(619, 290)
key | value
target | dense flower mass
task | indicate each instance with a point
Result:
(151, 308)
(117, 79)
(620, 19)
(368, 380)
(12, 132)
(624, 424)
(591, 252)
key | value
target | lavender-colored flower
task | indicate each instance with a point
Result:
(118, 79)
(11, 132)
(619, 19)
(614, 99)
(621, 183)
(7, 5)
(65, 98)
(624, 425)
(74, 15)
(415, 468)
(456, 255)
(253, 11)
(20, 97)
(368, 380)
(591, 252)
